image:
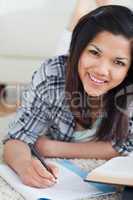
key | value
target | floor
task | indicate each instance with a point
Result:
(8, 102)
(6, 114)
(4, 110)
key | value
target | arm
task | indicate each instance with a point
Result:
(103, 2)
(91, 149)
(82, 7)
(12, 151)
(24, 129)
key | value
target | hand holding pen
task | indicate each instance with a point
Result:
(33, 173)
(39, 157)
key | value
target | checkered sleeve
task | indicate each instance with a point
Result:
(125, 147)
(33, 116)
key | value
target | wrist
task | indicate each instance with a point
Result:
(45, 146)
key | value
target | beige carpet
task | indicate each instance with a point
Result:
(8, 193)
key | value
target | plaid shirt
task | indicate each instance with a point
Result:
(44, 109)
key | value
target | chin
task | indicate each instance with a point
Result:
(94, 93)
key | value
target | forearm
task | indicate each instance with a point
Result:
(99, 150)
(16, 154)
(103, 2)
(82, 7)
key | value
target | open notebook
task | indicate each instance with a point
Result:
(118, 170)
(70, 184)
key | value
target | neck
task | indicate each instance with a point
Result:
(96, 107)
(95, 102)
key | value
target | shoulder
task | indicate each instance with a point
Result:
(52, 67)
(50, 76)
(55, 66)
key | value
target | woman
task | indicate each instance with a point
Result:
(75, 106)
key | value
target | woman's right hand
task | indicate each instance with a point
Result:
(33, 173)
(17, 155)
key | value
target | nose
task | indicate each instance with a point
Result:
(104, 68)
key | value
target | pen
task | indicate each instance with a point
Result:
(36, 153)
(43, 199)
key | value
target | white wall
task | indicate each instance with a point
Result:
(32, 27)
(128, 3)
(30, 31)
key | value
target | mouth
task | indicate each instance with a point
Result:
(97, 81)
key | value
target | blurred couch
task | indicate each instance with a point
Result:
(29, 31)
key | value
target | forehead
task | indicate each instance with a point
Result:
(112, 43)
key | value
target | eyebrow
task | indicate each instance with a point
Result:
(96, 47)
(119, 58)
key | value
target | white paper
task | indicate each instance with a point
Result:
(70, 186)
(118, 167)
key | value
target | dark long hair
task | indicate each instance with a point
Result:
(119, 21)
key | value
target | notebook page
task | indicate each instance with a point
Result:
(116, 167)
(70, 186)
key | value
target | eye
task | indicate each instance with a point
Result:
(120, 63)
(94, 52)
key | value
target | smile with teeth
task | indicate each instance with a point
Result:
(96, 80)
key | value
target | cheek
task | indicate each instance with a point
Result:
(84, 61)
(82, 65)
(119, 76)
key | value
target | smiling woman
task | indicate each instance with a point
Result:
(104, 59)
(75, 105)
(98, 64)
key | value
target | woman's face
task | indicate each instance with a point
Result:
(104, 63)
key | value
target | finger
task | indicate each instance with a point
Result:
(34, 180)
(41, 182)
(55, 169)
(42, 171)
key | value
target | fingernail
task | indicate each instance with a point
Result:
(54, 180)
